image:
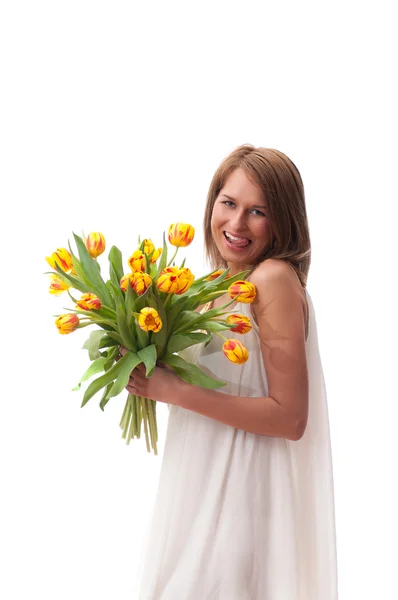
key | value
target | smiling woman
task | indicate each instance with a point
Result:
(245, 503)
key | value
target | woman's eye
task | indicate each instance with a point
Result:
(227, 202)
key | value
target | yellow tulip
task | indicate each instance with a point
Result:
(181, 234)
(95, 244)
(140, 282)
(242, 291)
(216, 274)
(156, 255)
(67, 323)
(62, 258)
(57, 285)
(149, 319)
(174, 280)
(89, 302)
(137, 261)
(235, 351)
(242, 323)
(124, 282)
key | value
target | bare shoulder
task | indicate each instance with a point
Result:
(278, 284)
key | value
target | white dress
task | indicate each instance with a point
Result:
(242, 516)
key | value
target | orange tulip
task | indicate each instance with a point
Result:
(57, 285)
(124, 282)
(235, 351)
(137, 261)
(140, 282)
(242, 291)
(241, 323)
(67, 323)
(95, 244)
(62, 258)
(181, 234)
(89, 302)
(156, 255)
(149, 319)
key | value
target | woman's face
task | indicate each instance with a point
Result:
(239, 223)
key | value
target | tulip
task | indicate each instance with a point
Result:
(62, 258)
(242, 323)
(185, 280)
(95, 244)
(242, 291)
(140, 282)
(89, 302)
(235, 351)
(124, 282)
(156, 255)
(67, 323)
(57, 285)
(181, 234)
(149, 319)
(174, 280)
(216, 274)
(137, 261)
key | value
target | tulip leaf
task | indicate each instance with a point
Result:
(116, 261)
(105, 379)
(191, 373)
(163, 257)
(73, 281)
(212, 326)
(77, 267)
(92, 274)
(97, 366)
(105, 396)
(123, 328)
(130, 361)
(149, 357)
(179, 342)
(160, 338)
(107, 342)
(93, 343)
(116, 336)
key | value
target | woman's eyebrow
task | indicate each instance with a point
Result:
(233, 199)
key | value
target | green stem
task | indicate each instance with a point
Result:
(145, 419)
(152, 424)
(173, 257)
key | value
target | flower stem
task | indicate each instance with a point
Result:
(173, 257)
(145, 419)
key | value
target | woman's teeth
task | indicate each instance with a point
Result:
(236, 241)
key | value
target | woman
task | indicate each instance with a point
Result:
(245, 503)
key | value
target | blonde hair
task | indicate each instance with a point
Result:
(282, 186)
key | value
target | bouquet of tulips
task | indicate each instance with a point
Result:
(151, 311)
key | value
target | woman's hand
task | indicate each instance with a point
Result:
(163, 385)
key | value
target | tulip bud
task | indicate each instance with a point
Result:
(156, 255)
(149, 319)
(137, 261)
(95, 244)
(67, 323)
(235, 351)
(62, 258)
(185, 280)
(140, 282)
(241, 323)
(168, 280)
(89, 302)
(57, 285)
(242, 291)
(181, 234)
(124, 282)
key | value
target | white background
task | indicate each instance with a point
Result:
(114, 117)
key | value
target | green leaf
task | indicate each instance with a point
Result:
(105, 396)
(116, 260)
(105, 379)
(73, 281)
(97, 366)
(191, 373)
(92, 274)
(149, 357)
(123, 326)
(131, 360)
(179, 342)
(93, 343)
(163, 258)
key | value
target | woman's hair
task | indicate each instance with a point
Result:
(283, 189)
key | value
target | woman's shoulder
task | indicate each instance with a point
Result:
(274, 270)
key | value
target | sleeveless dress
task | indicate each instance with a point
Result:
(237, 515)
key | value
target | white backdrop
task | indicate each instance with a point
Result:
(114, 117)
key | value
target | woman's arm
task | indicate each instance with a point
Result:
(279, 311)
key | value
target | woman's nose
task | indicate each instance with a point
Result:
(238, 221)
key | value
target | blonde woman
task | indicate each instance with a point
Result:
(245, 503)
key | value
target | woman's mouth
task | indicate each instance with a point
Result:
(234, 241)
